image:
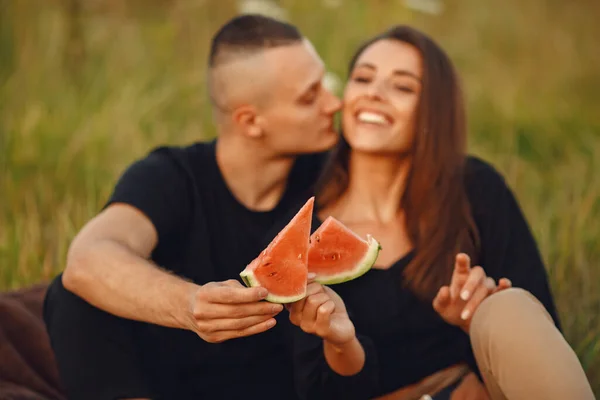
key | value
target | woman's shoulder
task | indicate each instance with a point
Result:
(481, 172)
(476, 168)
(484, 183)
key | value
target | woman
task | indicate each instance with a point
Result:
(423, 322)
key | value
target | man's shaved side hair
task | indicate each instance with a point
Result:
(248, 34)
(234, 55)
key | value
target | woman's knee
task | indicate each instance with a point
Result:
(504, 310)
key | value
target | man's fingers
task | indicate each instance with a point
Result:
(462, 267)
(220, 311)
(442, 299)
(229, 294)
(475, 278)
(221, 336)
(478, 296)
(232, 324)
(230, 283)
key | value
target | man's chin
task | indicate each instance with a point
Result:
(328, 143)
(317, 149)
(321, 146)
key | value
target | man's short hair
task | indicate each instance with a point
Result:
(248, 34)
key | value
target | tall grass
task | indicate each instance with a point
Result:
(88, 86)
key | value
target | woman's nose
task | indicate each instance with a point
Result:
(376, 90)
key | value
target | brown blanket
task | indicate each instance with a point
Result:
(27, 366)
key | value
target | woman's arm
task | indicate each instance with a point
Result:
(330, 360)
(508, 248)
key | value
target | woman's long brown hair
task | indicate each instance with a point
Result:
(439, 221)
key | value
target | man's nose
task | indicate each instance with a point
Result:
(333, 104)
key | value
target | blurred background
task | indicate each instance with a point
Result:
(87, 86)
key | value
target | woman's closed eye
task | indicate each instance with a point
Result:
(361, 79)
(404, 88)
(401, 87)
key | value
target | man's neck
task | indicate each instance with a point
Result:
(255, 177)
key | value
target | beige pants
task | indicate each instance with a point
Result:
(521, 354)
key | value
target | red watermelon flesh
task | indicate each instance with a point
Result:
(282, 267)
(337, 254)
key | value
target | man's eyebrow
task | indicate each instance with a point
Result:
(310, 87)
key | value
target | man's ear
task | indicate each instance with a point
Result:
(246, 118)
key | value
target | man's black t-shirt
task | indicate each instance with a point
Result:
(205, 234)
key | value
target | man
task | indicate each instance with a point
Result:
(151, 307)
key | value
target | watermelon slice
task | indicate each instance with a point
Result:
(282, 267)
(337, 254)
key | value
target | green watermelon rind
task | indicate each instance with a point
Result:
(251, 281)
(362, 267)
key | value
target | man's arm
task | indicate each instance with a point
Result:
(108, 266)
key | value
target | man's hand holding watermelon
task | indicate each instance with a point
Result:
(323, 313)
(228, 310)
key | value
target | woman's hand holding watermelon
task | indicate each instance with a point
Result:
(228, 310)
(457, 302)
(323, 313)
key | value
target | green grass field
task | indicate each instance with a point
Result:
(86, 90)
